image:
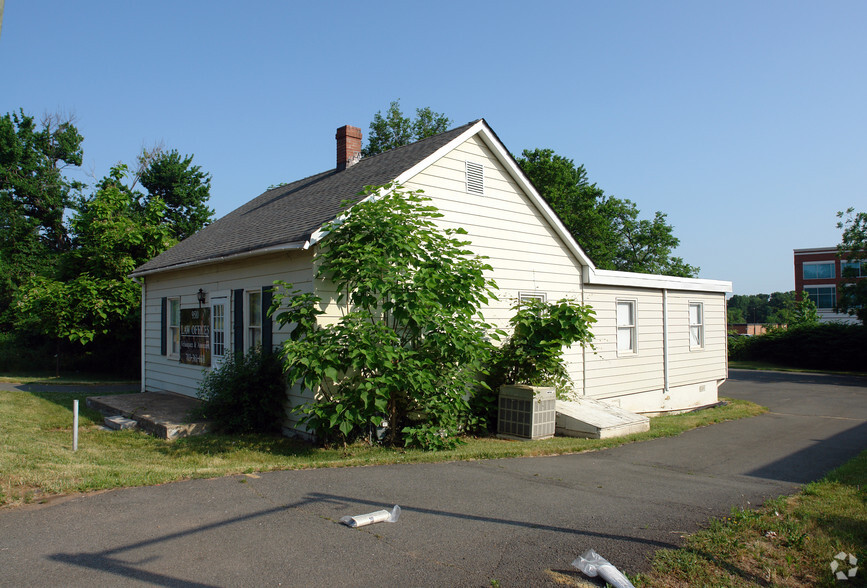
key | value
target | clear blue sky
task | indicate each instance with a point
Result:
(745, 122)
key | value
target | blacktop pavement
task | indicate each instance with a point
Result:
(519, 522)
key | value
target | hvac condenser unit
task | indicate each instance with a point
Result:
(526, 412)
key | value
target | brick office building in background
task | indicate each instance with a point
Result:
(819, 273)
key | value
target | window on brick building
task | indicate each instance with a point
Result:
(822, 296)
(819, 270)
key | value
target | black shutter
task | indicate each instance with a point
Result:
(164, 319)
(239, 321)
(267, 324)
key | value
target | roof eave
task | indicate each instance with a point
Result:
(294, 246)
(598, 277)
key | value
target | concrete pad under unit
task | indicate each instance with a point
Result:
(595, 419)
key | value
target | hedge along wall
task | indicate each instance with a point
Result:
(826, 347)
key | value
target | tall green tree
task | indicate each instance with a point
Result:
(183, 187)
(395, 130)
(34, 195)
(754, 308)
(90, 295)
(609, 229)
(852, 250)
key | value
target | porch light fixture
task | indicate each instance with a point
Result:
(201, 297)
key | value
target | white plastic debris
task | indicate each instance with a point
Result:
(380, 516)
(593, 564)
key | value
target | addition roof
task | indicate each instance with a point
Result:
(285, 217)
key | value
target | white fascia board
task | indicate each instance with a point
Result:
(505, 158)
(816, 250)
(320, 233)
(637, 280)
(298, 245)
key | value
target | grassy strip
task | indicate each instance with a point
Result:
(63, 380)
(37, 460)
(763, 365)
(790, 541)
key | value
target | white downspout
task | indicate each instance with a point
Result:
(583, 284)
(665, 337)
(143, 283)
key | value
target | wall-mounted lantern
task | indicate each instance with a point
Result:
(201, 297)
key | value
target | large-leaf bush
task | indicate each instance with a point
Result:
(533, 352)
(408, 349)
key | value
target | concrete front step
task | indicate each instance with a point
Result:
(162, 415)
(119, 423)
(594, 419)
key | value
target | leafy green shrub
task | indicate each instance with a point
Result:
(533, 353)
(829, 346)
(246, 394)
(409, 347)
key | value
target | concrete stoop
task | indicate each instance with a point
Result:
(596, 419)
(162, 415)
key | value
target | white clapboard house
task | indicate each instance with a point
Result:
(660, 341)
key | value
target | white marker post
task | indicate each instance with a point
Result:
(75, 425)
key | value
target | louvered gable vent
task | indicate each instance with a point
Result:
(475, 178)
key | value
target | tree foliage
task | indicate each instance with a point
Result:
(608, 229)
(90, 293)
(183, 187)
(34, 194)
(533, 352)
(409, 346)
(782, 308)
(852, 297)
(395, 130)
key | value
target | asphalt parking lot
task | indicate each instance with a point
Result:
(517, 521)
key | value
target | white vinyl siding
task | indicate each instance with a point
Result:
(526, 255)
(610, 373)
(685, 365)
(165, 374)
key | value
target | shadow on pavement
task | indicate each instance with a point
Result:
(811, 463)
(110, 560)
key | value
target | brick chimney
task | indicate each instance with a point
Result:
(348, 146)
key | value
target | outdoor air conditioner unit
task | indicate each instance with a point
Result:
(526, 412)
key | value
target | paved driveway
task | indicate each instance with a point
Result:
(518, 521)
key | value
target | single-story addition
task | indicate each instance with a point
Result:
(660, 341)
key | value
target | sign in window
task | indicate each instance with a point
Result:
(195, 336)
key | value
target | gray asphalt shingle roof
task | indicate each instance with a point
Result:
(292, 212)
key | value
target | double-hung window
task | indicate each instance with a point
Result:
(174, 327)
(254, 319)
(626, 327)
(696, 325)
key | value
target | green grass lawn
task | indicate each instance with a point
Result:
(790, 541)
(37, 460)
(763, 365)
(62, 380)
